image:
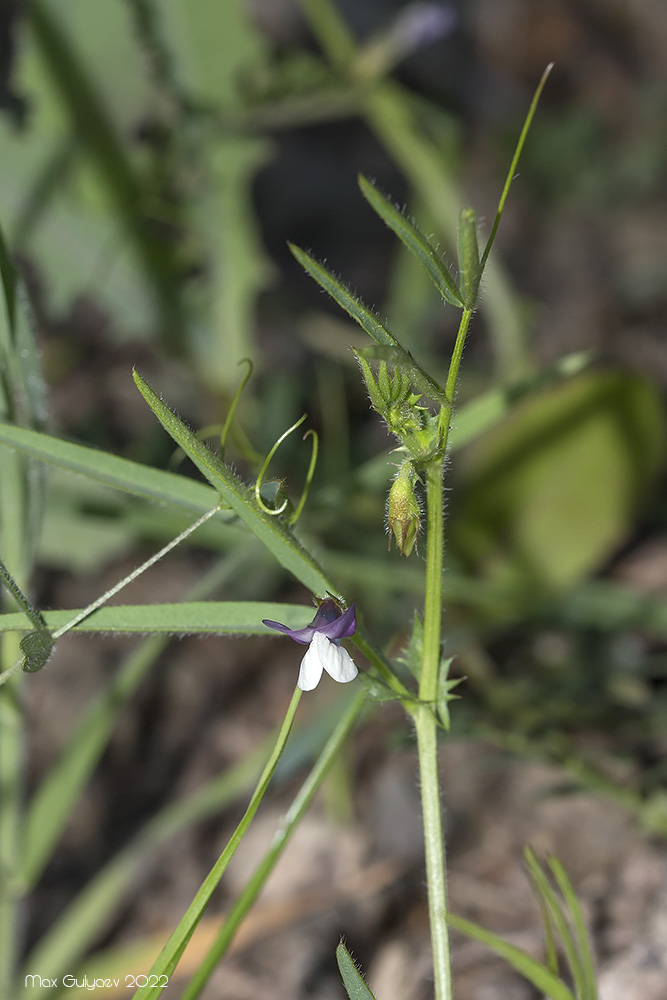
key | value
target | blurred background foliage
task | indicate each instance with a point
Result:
(156, 157)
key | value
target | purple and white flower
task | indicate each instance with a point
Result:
(322, 636)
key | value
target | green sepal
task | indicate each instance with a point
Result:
(355, 987)
(469, 266)
(377, 396)
(406, 364)
(415, 241)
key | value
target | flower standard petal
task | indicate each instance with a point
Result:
(311, 666)
(342, 627)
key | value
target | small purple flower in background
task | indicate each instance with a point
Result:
(421, 23)
(323, 635)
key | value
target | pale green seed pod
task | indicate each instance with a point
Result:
(403, 509)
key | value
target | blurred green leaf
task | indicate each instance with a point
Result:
(551, 491)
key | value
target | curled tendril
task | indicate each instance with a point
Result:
(258, 485)
(212, 430)
(309, 476)
(234, 403)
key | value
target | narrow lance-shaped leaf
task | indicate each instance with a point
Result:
(414, 240)
(111, 470)
(269, 530)
(359, 312)
(352, 305)
(355, 987)
(182, 618)
(469, 267)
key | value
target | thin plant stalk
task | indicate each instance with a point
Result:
(170, 955)
(261, 873)
(423, 714)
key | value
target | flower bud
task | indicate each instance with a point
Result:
(403, 510)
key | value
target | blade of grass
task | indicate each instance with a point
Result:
(581, 932)
(170, 955)
(557, 915)
(525, 964)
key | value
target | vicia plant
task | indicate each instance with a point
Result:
(417, 409)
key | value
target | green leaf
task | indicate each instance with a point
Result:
(469, 265)
(269, 530)
(368, 322)
(525, 964)
(445, 687)
(354, 985)
(414, 240)
(120, 473)
(552, 491)
(186, 618)
(352, 305)
(89, 913)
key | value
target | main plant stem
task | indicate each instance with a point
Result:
(427, 738)
(424, 713)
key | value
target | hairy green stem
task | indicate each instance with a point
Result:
(423, 714)
(426, 727)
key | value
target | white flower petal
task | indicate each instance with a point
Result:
(311, 666)
(336, 661)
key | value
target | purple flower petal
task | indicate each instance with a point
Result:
(342, 626)
(328, 621)
(302, 635)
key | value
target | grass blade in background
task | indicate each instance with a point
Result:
(532, 970)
